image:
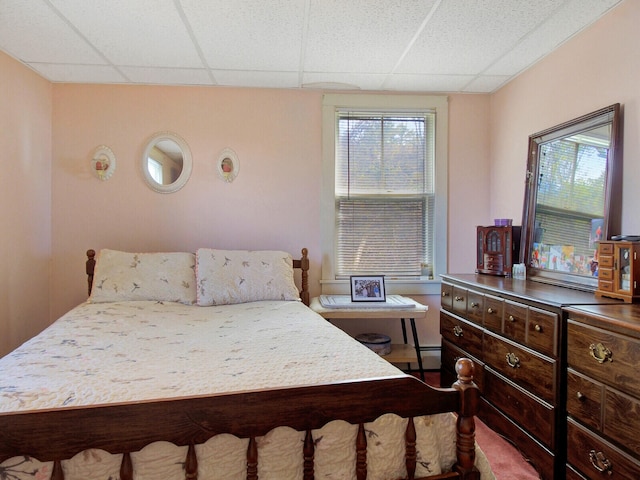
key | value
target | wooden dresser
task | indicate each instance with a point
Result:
(603, 392)
(514, 331)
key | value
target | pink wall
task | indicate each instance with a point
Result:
(25, 203)
(272, 204)
(597, 68)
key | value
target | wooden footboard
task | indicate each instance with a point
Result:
(60, 434)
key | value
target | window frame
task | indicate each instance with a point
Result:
(380, 102)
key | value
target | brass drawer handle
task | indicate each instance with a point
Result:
(512, 318)
(445, 294)
(458, 298)
(512, 360)
(457, 331)
(581, 396)
(490, 310)
(600, 353)
(475, 304)
(600, 462)
(538, 328)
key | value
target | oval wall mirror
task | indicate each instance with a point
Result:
(166, 162)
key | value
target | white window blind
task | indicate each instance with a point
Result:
(384, 192)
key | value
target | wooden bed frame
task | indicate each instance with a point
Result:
(55, 435)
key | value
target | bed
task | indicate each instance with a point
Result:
(211, 366)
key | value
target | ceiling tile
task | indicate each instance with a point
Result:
(33, 32)
(148, 33)
(250, 34)
(79, 73)
(485, 83)
(572, 17)
(168, 76)
(242, 78)
(361, 36)
(466, 37)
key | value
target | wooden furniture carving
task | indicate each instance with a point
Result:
(512, 330)
(603, 391)
(618, 270)
(498, 248)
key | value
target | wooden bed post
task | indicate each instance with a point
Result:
(466, 426)
(91, 265)
(303, 264)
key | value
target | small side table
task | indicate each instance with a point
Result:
(400, 353)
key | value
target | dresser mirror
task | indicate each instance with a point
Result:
(166, 162)
(572, 198)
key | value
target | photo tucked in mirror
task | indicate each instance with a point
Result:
(166, 162)
(573, 186)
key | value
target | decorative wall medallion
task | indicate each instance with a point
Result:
(228, 165)
(103, 162)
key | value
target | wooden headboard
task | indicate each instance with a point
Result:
(302, 263)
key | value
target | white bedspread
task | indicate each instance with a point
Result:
(100, 351)
(134, 351)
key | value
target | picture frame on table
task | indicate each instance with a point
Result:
(368, 288)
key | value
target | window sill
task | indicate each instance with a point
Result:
(409, 286)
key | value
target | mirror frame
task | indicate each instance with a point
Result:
(187, 163)
(228, 155)
(612, 195)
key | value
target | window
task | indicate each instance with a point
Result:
(155, 170)
(384, 192)
(384, 185)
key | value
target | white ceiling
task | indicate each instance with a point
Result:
(396, 45)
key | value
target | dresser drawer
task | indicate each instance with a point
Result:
(459, 303)
(622, 420)
(584, 399)
(475, 307)
(462, 334)
(617, 356)
(450, 355)
(522, 365)
(542, 331)
(533, 414)
(606, 262)
(605, 249)
(605, 286)
(493, 310)
(597, 458)
(446, 296)
(515, 320)
(605, 274)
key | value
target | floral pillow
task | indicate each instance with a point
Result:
(226, 277)
(122, 276)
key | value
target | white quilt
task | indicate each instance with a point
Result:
(96, 353)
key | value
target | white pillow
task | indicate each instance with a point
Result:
(123, 276)
(226, 277)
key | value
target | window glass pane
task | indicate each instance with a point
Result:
(384, 193)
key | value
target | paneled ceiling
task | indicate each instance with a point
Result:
(395, 45)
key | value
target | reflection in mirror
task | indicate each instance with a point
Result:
(166, 162)
(572, 198)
